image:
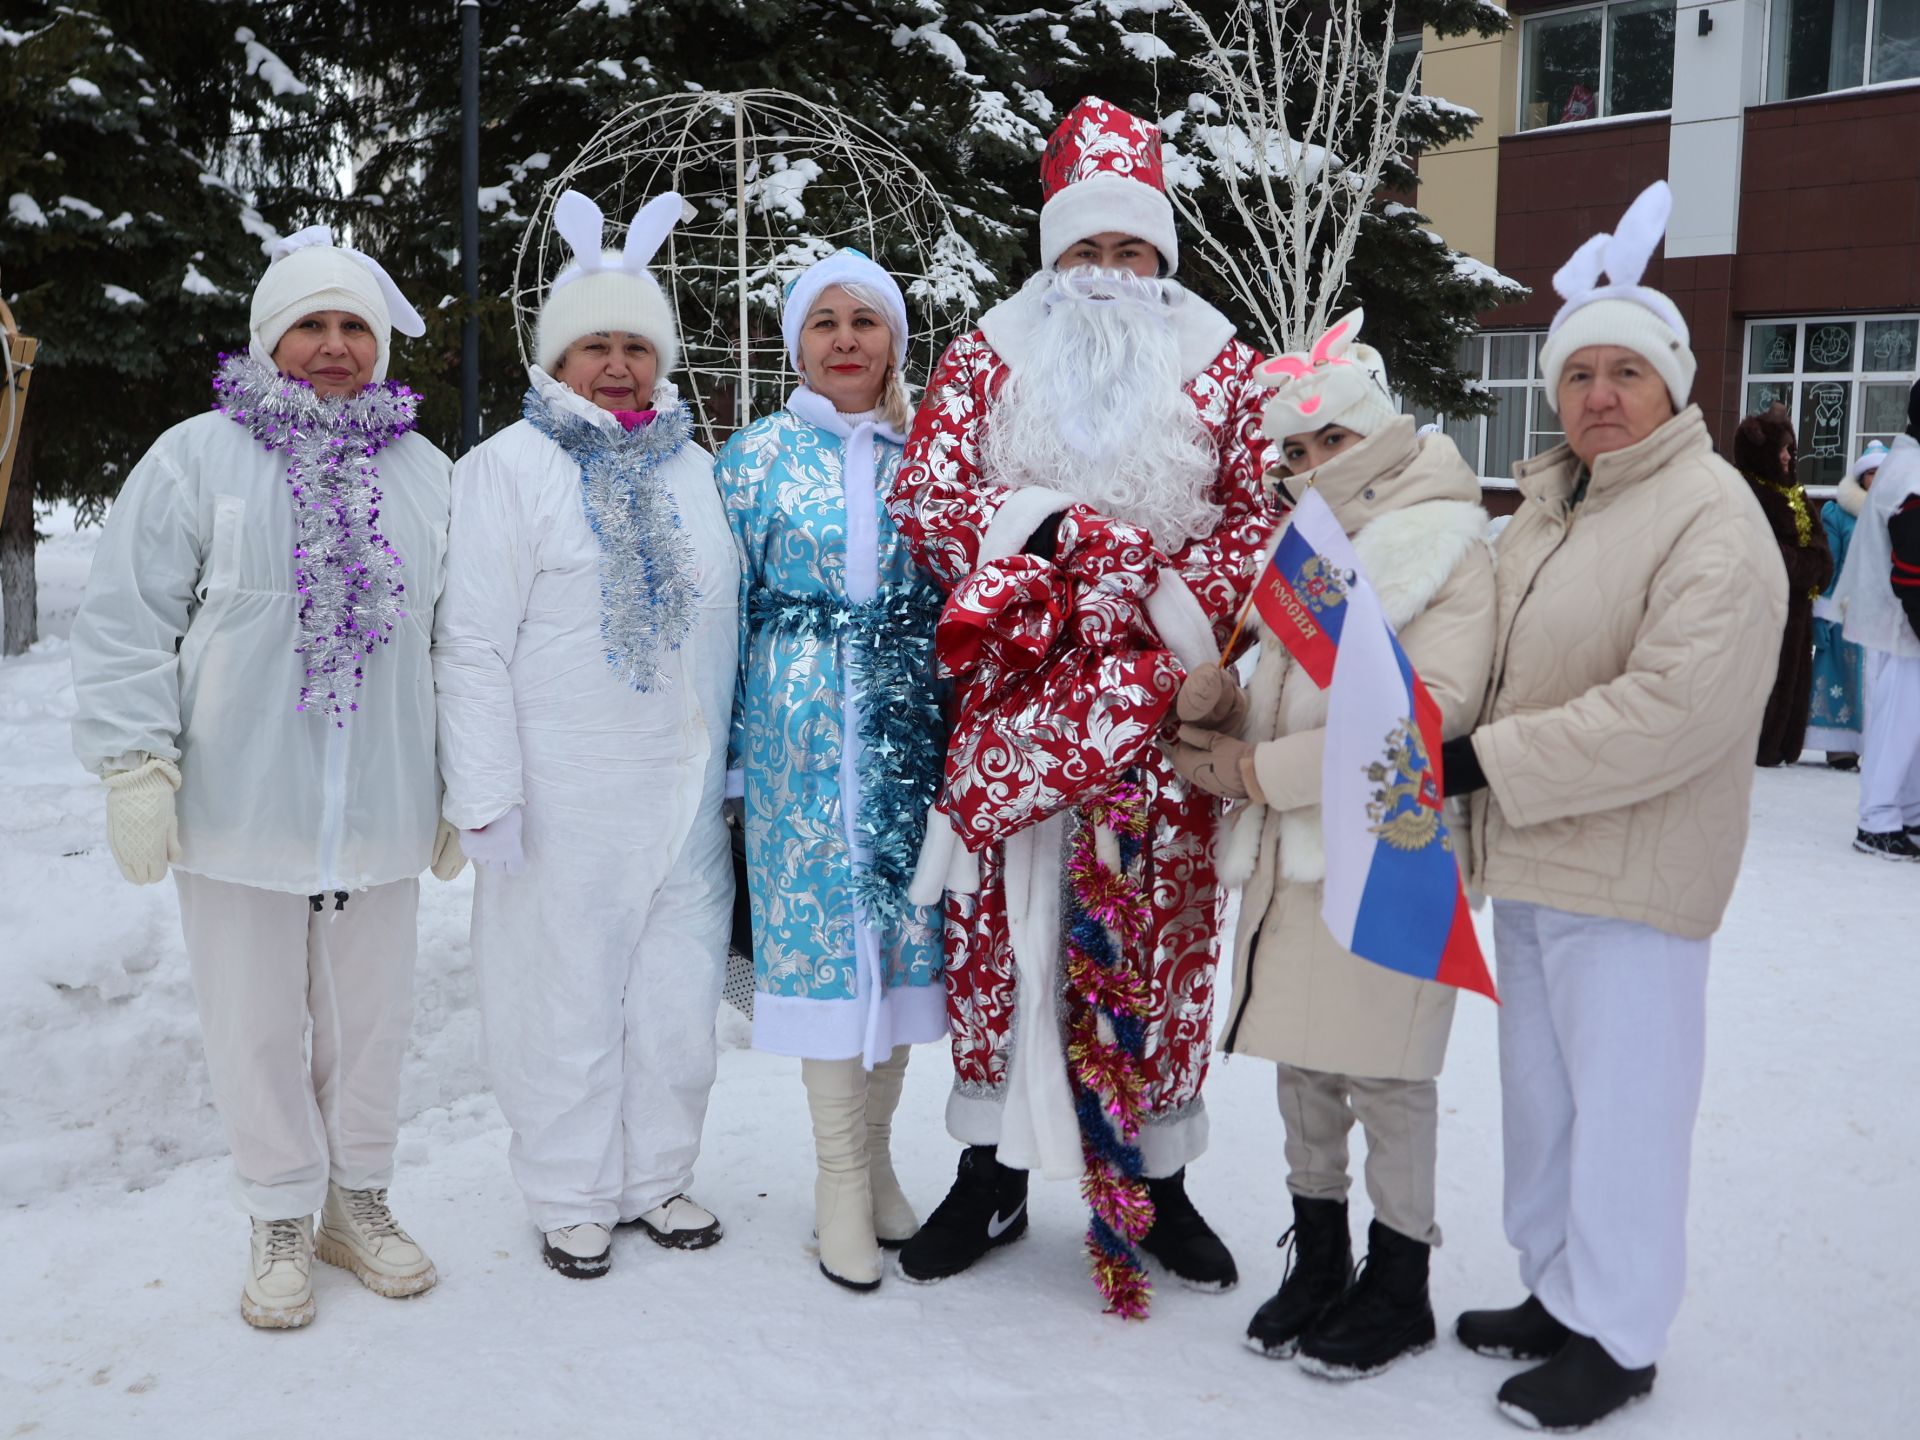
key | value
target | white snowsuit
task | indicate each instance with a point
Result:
(601, 964)
(184, 649)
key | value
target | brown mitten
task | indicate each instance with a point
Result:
(1212, 699)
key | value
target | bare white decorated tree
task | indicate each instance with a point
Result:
(1300, 123)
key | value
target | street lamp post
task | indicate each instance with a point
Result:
(470, 221)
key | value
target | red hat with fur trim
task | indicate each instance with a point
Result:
(1102, 172)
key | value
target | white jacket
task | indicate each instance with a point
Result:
(184, 648)
(528, 702)
(1864, 593)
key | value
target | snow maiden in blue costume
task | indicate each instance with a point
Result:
(1839, 668)
(838, 742)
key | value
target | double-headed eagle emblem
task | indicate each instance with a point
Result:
(1321, 585)
(1405, 808)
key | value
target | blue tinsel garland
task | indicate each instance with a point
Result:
(902, 730)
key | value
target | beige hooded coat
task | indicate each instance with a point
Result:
(1412, 508)
(1638, 637)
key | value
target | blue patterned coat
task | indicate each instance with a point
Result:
(780, 480)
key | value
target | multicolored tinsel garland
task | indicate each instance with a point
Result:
(902, 733)
(649, 582)
(343, 567)
(1108, 918)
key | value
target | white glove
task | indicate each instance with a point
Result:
(496, 844)
(448, 858)
(141, 829)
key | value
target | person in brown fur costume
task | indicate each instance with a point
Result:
(1764, 449)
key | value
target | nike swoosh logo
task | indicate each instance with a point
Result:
(996, 1227)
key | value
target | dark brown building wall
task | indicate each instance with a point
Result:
(1557, 187)
(1830, 206)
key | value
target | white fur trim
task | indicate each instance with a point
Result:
(1107, 201)
(1200, 331)
(1407, 556)
(1852, 496)
(944, 866)
(1019, 515)
(1182, 625)
(601, 300)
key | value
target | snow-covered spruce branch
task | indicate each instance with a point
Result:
(1305, 125)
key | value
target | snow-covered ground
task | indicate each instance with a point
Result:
(120, 1258)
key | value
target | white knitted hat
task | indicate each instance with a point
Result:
(845, 266)
(605, 290)
(1622, 311)
(307, 273)
(1338, 382)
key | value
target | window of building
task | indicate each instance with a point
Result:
(1843, 380)
(1599, 60)
(1400, 57)
(1814, 46)
(1523, 424)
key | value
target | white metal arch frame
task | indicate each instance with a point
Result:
(772, 183)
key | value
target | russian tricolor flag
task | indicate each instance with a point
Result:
(1393, 891)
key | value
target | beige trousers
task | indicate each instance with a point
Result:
(1401, 1119)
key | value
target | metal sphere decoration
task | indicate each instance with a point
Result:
(772, 182)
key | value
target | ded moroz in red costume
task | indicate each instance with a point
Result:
(1077, 863)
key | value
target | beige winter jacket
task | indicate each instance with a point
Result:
(1637, 642)
(1412, 507)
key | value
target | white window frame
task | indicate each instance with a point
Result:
(1867, 82)
(1606, 73)
(1474, 449)
(1856, 377)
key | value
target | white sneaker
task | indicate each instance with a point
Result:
(580, 1252)
(679, 1224)
(358, 1233)
(278, 1294)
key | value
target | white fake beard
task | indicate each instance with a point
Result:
(1097, 409)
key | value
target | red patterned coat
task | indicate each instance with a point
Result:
(1065, 684)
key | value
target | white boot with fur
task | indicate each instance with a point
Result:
(842, 1202)
(894, 1222)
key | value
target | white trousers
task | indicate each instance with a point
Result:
(1602, 1047)
(305, 1016)
(599, 984)
(1890, 754)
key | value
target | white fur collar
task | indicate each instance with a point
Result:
(1852, 498)
(560, 396)
(1201, 331)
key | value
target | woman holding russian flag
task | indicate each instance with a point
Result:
(1351, 1038)
(1641, 603)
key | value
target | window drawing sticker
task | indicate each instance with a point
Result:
(1831, 346)
(1829, 405)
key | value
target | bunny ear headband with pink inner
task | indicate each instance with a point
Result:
(1321, 382)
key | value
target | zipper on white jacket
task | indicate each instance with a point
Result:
(333, 804)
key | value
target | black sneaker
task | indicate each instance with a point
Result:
(1384, 1315)
(1888, 845)
(1183, 1242)
(1319, 1266)
(985, 1209)
(1578, 1386)
(1523, 1332)
(1842, 760)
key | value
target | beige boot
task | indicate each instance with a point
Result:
(894, 1222)
(842, 1204)
(278, 1294)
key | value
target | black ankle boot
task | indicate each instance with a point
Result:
(1576, 1387)
(1319, 1265)
(985, 1209)
(1524, 1332)
(1385, 1313)
(1183, 1242)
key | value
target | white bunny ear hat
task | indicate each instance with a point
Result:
(1607, 305)
(1338, 382)
(603, 290)
(308, 272)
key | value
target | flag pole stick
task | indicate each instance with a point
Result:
(1240, 621)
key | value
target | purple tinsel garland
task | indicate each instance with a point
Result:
(343, 567)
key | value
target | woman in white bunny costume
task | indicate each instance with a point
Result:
(1641, 603)
(584, 658)
(252, 681)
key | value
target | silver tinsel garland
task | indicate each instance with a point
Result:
(344, 569)
(649, 583)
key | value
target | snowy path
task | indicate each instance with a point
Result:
(118, 1305)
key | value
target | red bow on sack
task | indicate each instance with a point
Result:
(1008, 611)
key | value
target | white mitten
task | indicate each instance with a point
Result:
(448, 858)
(496, 844)
(141, 829)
